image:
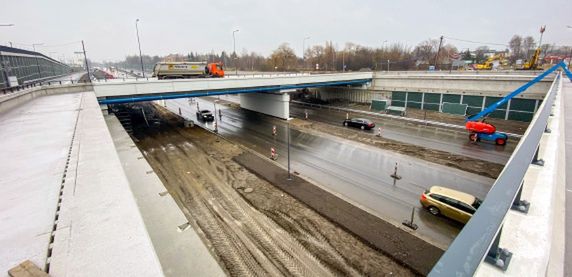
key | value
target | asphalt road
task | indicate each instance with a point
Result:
(357, 172)
(447, 140)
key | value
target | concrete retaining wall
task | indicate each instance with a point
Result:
(481, 85)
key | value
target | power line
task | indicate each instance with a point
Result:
(50, 45)
(63, 44)
(477, 42)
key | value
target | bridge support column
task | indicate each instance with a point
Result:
(275, 104)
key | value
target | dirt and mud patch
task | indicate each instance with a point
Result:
(480, 167)
(253, 228)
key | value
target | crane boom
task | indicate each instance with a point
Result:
(518, 91)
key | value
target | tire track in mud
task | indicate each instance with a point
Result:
(263, 233)
(248, 242)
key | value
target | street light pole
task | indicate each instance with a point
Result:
(344, 60)
(139, 43)
(234, 52)
(85, 58)
(2, 65)
(37, 62)
(303, 51)
(570, 59)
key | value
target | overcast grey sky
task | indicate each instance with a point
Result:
(108, 27)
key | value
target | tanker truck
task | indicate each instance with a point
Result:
(184, 70)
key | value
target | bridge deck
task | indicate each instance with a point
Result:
(98, 230)
(567, 259)
(152, 89)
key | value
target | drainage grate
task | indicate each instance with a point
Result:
(59, 204)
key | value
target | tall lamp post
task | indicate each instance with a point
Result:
(37, 62)
(303, 51)
(234, 52)
(139, 43)
(570, 60)
(2, 65)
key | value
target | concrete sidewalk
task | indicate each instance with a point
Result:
(65, 202)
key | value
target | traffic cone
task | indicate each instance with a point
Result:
(272, 153)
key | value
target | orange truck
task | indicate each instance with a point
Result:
(184, 70)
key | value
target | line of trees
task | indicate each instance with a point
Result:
(353, 57)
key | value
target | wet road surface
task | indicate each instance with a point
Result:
(447, 140)
(358, 172)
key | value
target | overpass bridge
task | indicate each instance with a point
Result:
(86, 186)
(265, 94)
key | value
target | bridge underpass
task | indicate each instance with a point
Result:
(270, 94)
(84, 180)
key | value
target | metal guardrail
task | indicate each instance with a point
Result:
(37, 83)
(479, 239)
(240, 76)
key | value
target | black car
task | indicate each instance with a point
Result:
(364, 124)
(205, 115)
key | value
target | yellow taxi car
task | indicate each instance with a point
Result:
(451, 203)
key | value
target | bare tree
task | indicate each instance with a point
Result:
(283, 58)
(480, 54)
(528, 44)
(446, 53)
(515, 46)
(426, 50)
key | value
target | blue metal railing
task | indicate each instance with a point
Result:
(479, 239)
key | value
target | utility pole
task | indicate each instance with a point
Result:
(234, 52)
(289, 177)
(85, 58)
(139, 43)
(438, 50)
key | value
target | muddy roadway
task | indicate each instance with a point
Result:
(253, 228)
(357, 172)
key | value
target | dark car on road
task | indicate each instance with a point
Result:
(361, 123)
(205, 115)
